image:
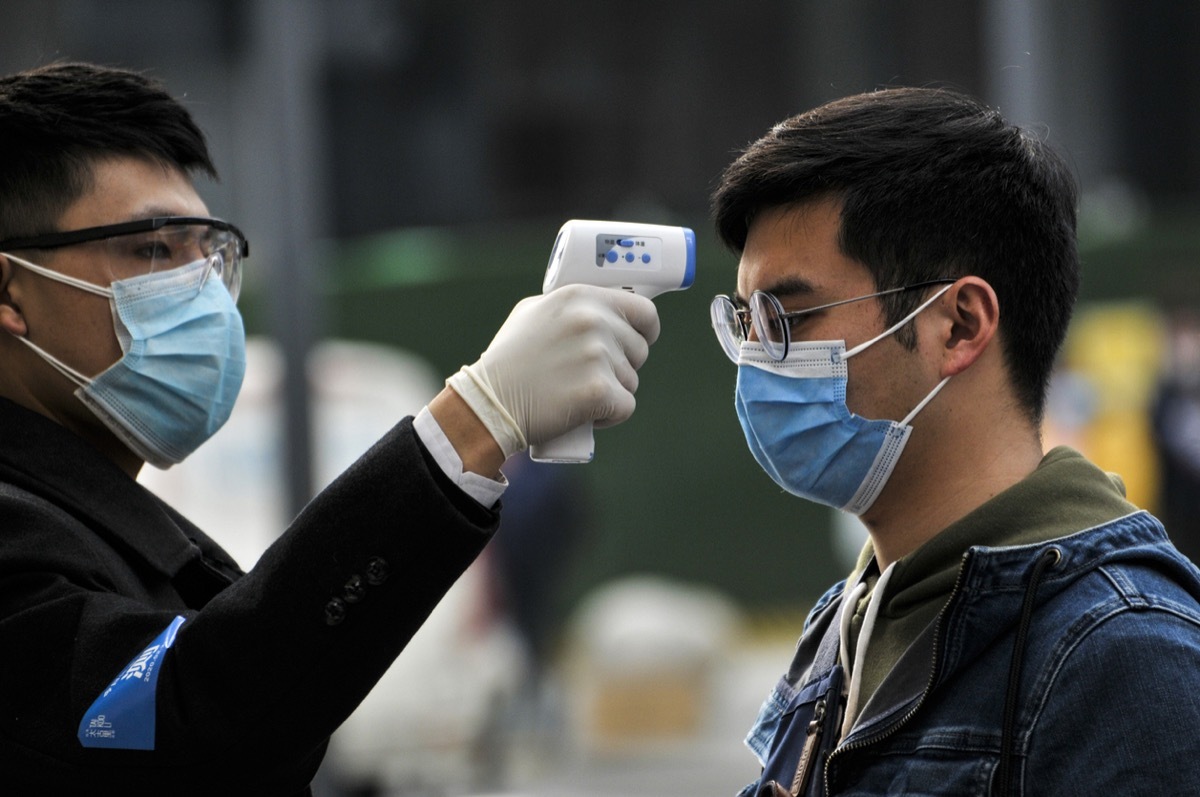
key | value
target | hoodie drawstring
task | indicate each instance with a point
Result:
(1046, 559)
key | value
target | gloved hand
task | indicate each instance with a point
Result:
(561, 359)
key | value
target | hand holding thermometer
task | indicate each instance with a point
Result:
(647, 259)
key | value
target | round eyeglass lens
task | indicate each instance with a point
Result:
(727, 326)
(769, 324)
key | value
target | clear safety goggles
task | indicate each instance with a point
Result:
(134, 248)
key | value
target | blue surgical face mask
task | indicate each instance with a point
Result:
(184, 357)
(801, 432)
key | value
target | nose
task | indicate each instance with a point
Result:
(751, 330)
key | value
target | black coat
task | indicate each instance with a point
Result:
(93, 568)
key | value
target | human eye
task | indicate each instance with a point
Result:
(796, 319)
(154, 250)
(802, 322)
(142, 246)
(175, 246)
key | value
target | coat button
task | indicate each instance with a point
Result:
(355, 590)
(335, 611)
(378, 571)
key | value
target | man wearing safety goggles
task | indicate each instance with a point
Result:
(180, 333)
(1014, 625)
(138, 657)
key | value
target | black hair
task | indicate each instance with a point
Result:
(57, 120)
(932, 184)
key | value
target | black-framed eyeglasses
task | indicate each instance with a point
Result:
(133, 248)
(771, 324)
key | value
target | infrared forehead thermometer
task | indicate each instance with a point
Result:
(646, 259)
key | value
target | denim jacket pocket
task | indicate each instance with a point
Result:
(808, 730)
(762, 733)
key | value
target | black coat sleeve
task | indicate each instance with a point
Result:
(258, 678)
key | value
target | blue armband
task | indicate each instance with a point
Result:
(123, 716)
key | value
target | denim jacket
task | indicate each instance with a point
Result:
(1064, 668)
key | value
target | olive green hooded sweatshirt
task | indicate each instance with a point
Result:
(1065, 494)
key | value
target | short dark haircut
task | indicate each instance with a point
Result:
(931, 184)
(58, 120)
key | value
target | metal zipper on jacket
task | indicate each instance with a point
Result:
(894, 727)
(812, 738)
(810, 746)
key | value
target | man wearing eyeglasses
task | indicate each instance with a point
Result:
(1013, 626)
(137, 658)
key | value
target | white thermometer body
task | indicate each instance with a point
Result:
(647, 259)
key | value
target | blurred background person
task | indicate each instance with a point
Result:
(1176, 414)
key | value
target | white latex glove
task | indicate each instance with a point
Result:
(561, 359)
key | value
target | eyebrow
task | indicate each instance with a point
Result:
(786, 288)
(155, 212)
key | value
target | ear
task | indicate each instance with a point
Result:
(973, 314)
(12, 320)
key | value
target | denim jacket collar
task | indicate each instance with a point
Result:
(987, 599)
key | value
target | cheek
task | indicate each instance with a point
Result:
(859, 397)
(884, 382)
(107, 349)
(88, 342)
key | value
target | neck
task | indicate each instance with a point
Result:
(61, 406)
(937, 482)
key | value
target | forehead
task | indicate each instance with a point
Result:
(125, 188)
(793, 251)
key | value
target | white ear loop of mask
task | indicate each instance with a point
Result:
(891, 331)
(60, 366)
(70, 373)
(90, 287)
(75, 282)
(65, 278)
